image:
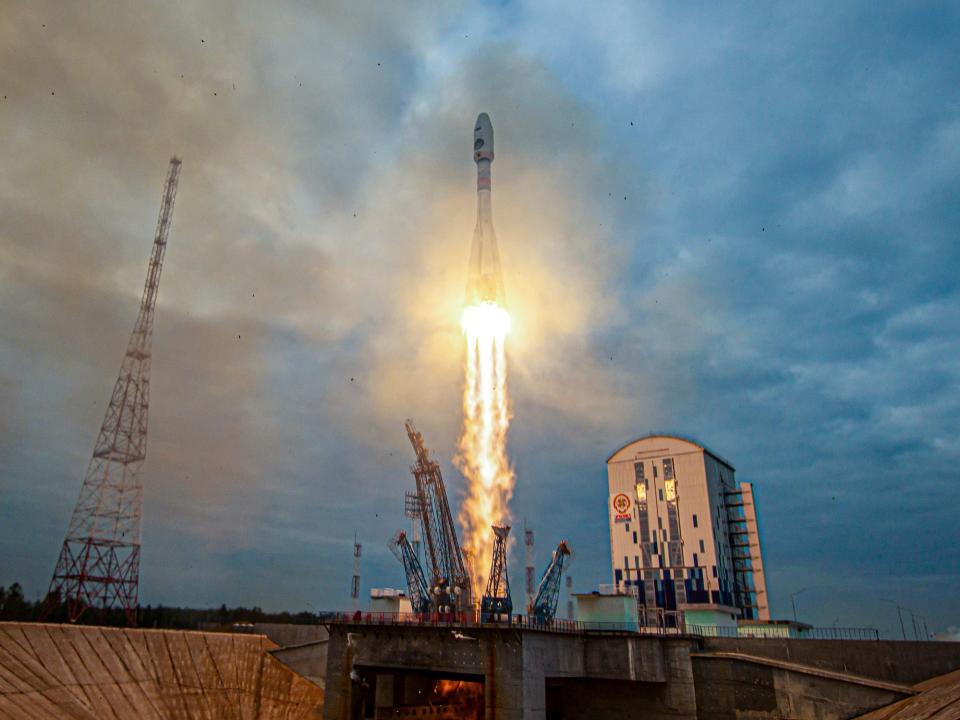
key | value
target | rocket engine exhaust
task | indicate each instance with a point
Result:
(482, 456)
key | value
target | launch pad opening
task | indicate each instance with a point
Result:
(382, 693)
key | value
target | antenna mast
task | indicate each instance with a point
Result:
(99, 563)
(355, 579)
(530, 574)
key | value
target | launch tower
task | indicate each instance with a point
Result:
(449, 580)
(496, 604)
(99, 563)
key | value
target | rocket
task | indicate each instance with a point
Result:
(484, 283)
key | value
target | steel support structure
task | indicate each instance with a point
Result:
(417, 589)
(450, 582)
(548, 592)
(99, 562)
(496, 605)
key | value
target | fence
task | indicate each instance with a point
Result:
(672, 626)
(785, 631)
(473, 620)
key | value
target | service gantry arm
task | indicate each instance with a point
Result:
(545, 603)
(447, 568)
(417, 589)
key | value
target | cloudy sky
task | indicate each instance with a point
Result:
(737, 224)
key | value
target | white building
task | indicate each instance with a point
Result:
(683, 532)
(389, 600)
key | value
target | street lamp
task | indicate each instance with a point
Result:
(899, 615)
(793, 602)
(919, 626)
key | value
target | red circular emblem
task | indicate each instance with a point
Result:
(621, 503)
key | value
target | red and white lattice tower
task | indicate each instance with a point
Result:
(355, 579)
(530, 569)
(99, 564)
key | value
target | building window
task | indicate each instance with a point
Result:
(668, 469)
(634, 537)
(638, 471)
(695, 523)
(660, 493)
(627, 527)
(714, 570)
(653, 548)
(671, 487)
(654, 469)
(696, 560)
(702, 549)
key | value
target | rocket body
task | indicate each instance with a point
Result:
(485, 282)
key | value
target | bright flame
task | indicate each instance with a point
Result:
(483, 442)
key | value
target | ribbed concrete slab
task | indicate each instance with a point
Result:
(939, 699)
(88, 673)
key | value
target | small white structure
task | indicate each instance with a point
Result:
(607, 611)
(710, 619)
(773, 629)
(389, 600)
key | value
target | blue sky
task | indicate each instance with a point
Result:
(737, 223)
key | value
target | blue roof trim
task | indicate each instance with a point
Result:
(674, 436)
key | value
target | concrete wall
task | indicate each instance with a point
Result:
(309, 660)
(892, 661)
(284, 634)
(732, 690)
(514, 664)
(548, 676)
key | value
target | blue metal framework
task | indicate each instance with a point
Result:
(417, 589)
(548, 593)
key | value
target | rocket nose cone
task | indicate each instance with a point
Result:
(483, 138)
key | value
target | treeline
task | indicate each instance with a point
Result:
(15, 607)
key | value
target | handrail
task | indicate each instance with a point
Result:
(784, 631)
(472, 619)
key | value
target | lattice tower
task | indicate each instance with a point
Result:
(99, 563)
(496, 603)
(450, 582)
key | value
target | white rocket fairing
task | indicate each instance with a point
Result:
(485, 282)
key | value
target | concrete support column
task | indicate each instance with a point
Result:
(384, 696)
(534, 693)
(505, 684)
(336, 704)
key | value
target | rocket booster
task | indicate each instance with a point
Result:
(485, 282)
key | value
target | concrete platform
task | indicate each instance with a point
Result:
(377, 670)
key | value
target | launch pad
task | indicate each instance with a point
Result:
(385, 668)
(378, 669)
